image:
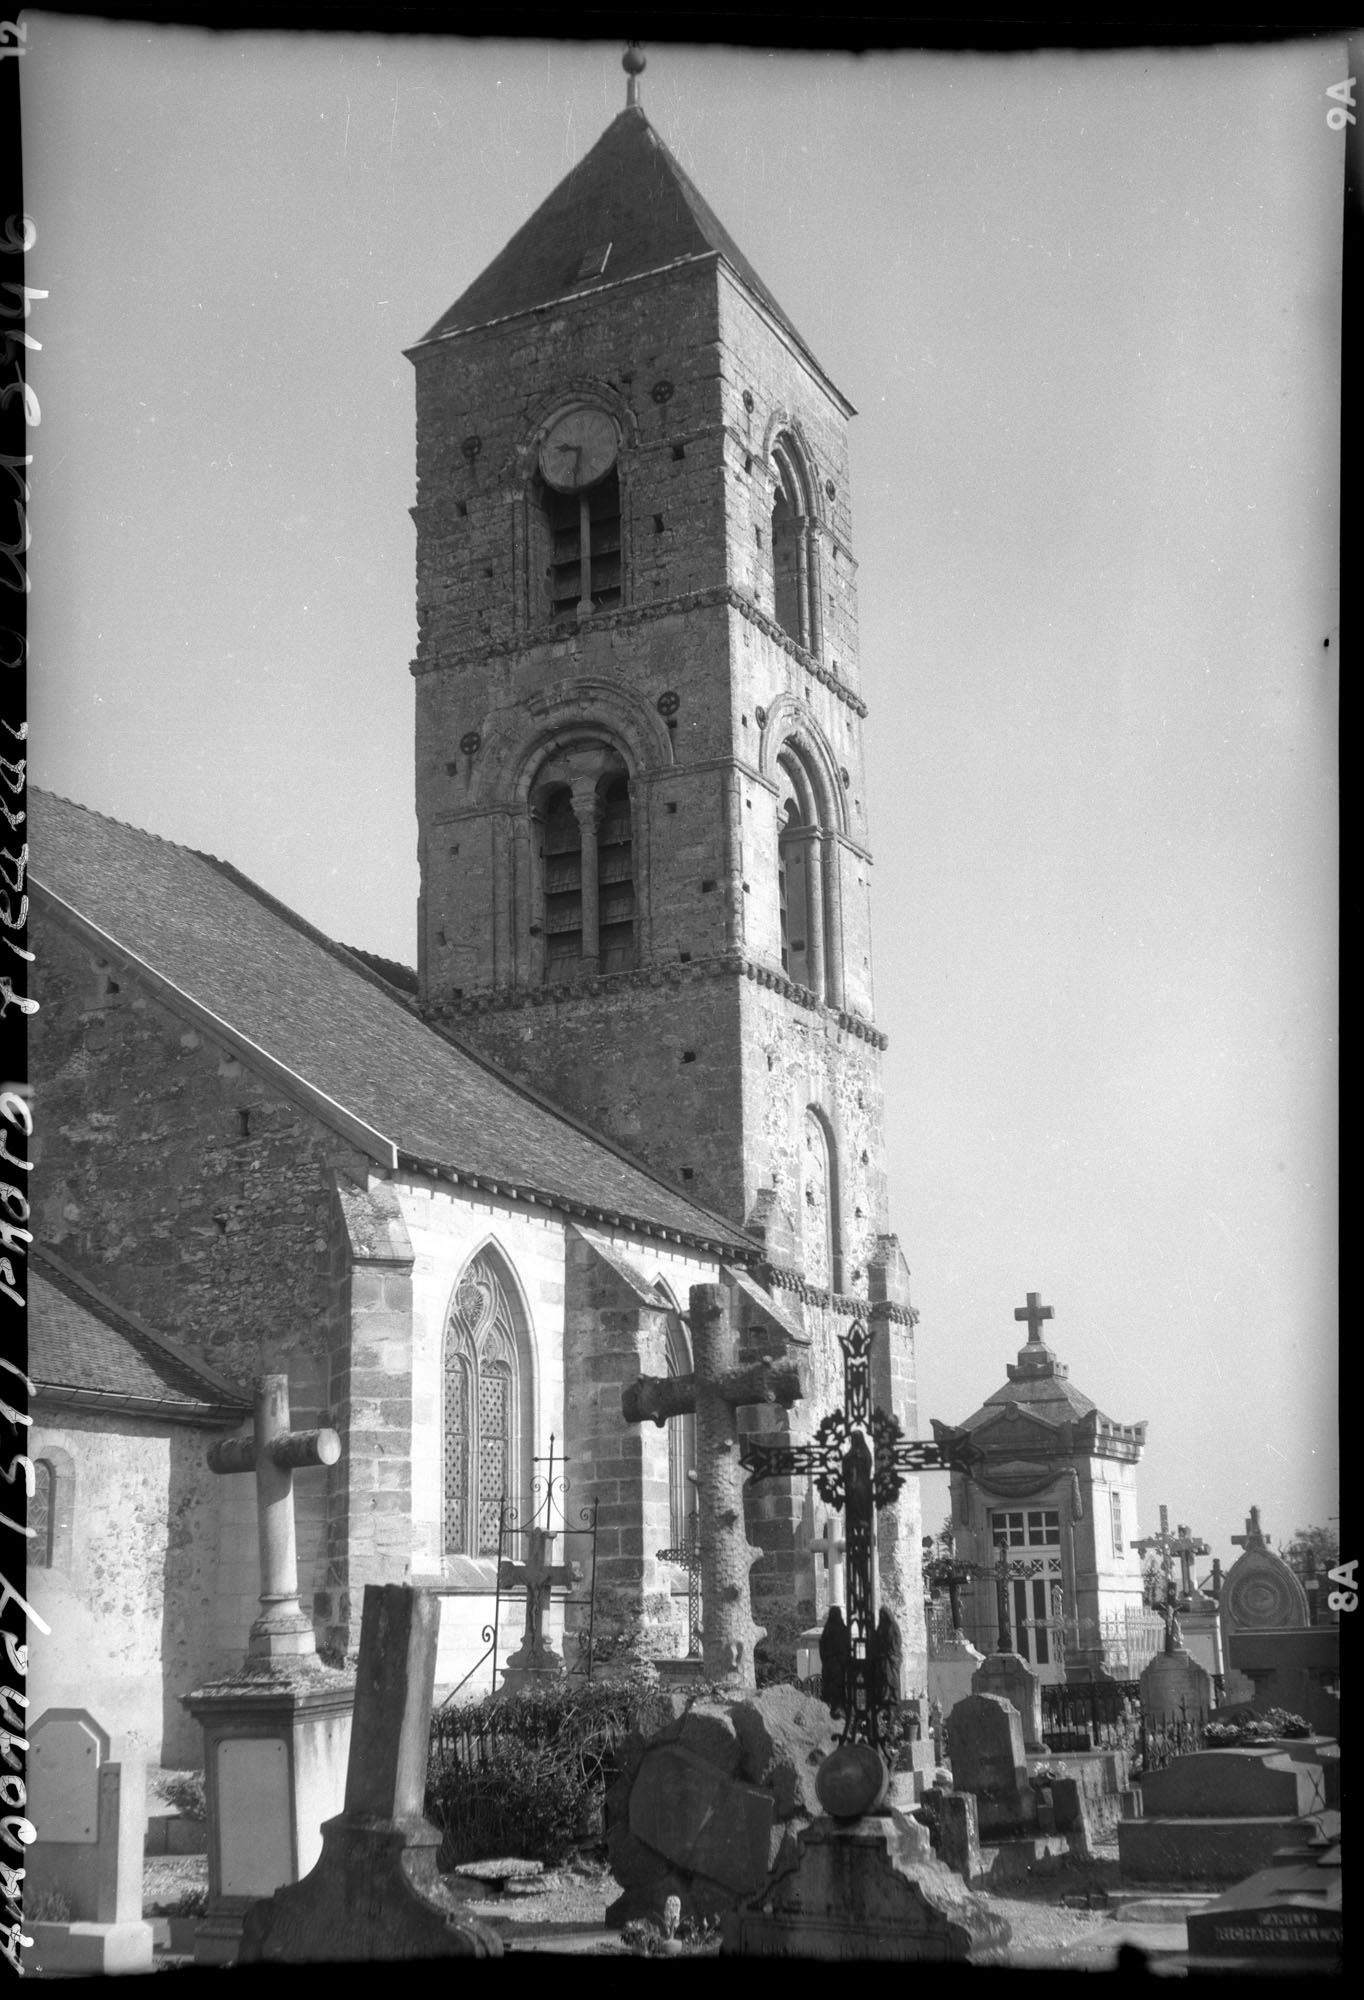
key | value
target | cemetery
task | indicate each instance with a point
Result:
(655, 1810)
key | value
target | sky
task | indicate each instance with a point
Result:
(1087, 307)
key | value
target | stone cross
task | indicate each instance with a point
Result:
(714, 1393)
(1253, 1538)
(1034, 1312)
(1167, 1547)
(858, 1459)
(690, 1558)
(537, 1576)
(1186, 1547)
(831, 1550)
(283, 1630)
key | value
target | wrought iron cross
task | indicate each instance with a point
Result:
(1167, 1547)
(858, 1460)
(690, 1559)
(537, 1574)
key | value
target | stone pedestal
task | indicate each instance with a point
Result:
(861, 1890)
(1010, 1676)
(952, 1667)
(1201, 1623)
(276, 1739)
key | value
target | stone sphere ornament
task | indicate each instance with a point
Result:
(853, 1780)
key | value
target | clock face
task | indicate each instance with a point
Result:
(579, 447)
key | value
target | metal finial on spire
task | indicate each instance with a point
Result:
(632, 62)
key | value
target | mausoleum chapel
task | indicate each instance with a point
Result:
(461, 1208)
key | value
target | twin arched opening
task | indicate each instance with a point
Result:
(809, 916)
(583, 847)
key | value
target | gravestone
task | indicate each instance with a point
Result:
(1285, 1917)
(1260, 1592)
(985, 1743)
(375, 1893)
(1175, 1689)
(1010, 1676)
(91, 1817)
(1220, 1815)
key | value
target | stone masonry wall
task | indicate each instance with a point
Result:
(192, 1191)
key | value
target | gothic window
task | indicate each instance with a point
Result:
(481, 1391)
(584, 810)
(792, 545)
(681, 1438)
(42, 1514)
(818, 1222)
(583, 530)
(801, 845)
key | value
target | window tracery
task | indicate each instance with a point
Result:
(481, 1398)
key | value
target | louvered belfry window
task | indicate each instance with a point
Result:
(480, 1412)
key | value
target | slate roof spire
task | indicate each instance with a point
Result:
(626, 209)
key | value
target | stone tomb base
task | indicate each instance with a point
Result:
(860, 1890)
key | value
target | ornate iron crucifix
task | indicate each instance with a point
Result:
(858, 1460)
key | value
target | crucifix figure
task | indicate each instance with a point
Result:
(858, 1460)
(715, 1392)
(1034, 1312)
(690, 1559)
(1167, 1546)
(537, 1576)
(283, 1630)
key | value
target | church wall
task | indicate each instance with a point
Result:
(222, 1239)
(133, 1599)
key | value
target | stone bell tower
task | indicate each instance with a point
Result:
(644, 860)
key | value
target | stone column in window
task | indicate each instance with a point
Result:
(833, 919)
(585, 811)
(803, 569)
(814, 894)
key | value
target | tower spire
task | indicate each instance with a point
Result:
(632, 62)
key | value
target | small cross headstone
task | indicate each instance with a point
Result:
(537, 1576)
(273, 1453)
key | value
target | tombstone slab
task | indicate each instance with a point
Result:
(91, 1817)
(699, 1820)
(1009, 1675)
(1175, 1689)
(860, 1891)
(375, 1892)
(1288, 1914)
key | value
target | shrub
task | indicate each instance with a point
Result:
(190, 1902)
(519, 1800)
(185, 1791)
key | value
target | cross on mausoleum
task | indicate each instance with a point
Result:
(1253, 1538)
(537, 1577)
(1034, 1312)
(858, 1460)
(714, 1392)
(283, 1630)
(689, 1557)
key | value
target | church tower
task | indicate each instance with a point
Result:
(645, 873)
